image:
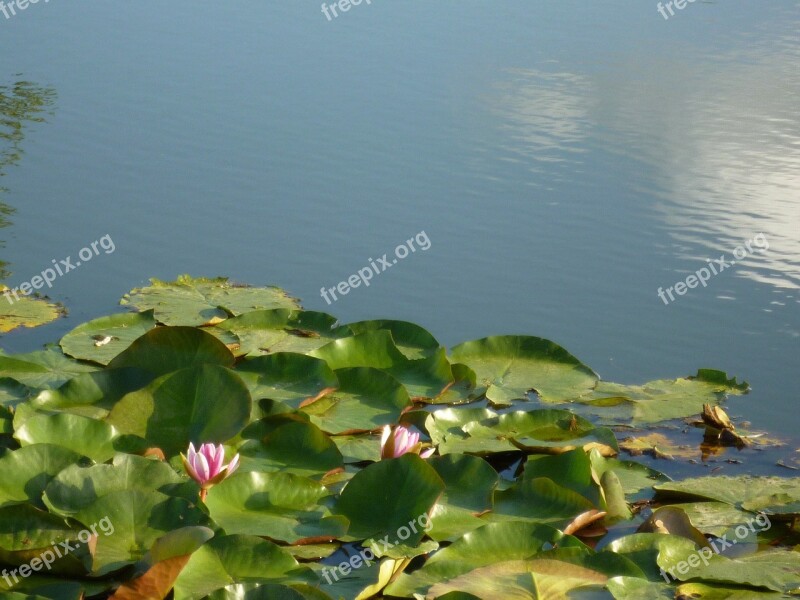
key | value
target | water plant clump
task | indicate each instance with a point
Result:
(239, 446)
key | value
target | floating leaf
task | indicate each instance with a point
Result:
(493, 543)
(102, 339)
(231, 559)
(280, 506)
(286, 376)
(76, 487)
(510, 366)
(185, 406)
(27, 311)
(190, 301)
(167, 349)
(82, 435)
(660, 400)
(47, 368)
(365, 399)
(27, 471)
(389, 495)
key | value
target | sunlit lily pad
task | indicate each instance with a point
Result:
(102, 339)
(28, 311)
(510, 366)
(280, 506)
(200, 301)
(231, 559)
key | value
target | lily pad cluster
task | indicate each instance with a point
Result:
(507, 453)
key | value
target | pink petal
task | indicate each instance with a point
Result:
(216, 464)
(427, 453)
(413, 439)
(233, 465)
(401, 441)
(191, 453)
(201, 466)
(190, 470)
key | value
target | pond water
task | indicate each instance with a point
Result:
(564, 160)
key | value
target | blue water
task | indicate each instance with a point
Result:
(565, 160)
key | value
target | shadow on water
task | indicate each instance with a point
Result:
(21, 103)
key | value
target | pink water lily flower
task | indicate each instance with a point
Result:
(206, 467)
(401, 441)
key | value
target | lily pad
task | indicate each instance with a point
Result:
(200, 301)
(661, 400)
(82, 435)
(77, 487)
(27, 311)
(231, 559)
(510, 366)
(47, 368)
(167, 349)
(365, 399)
(389, 495)
(27, 471)
(492, 543)
(280, 506)
(185, 406)
(286, 376)
(102, 339)
(287, 443)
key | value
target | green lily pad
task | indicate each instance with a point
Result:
(425, 377)
(660, 400)
(26, 533)
(389, 495)
(492, 543)
(633, 588)
(82, 435)
(510, 366)
(102, 339)
(102, 389)
(542, 579)
(413, 341)
(206, 403)
(540, 501)
(27, 471)
(76, 487)
(484, 431)
(282, 330)
(47, 368)
(572, 470)
(280, 506)
(166, 349)
(128, 523)
(26, 312)
(776, 570)
(776, 495)
(231, 559)
(287, 443)
(365, 399)
(286, 376)
(267, 591)
(200, 301)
